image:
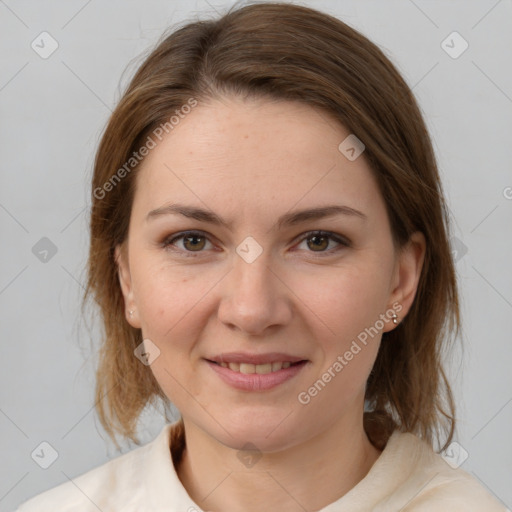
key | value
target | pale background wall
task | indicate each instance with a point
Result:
(52, 112)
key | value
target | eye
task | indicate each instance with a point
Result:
(193, 241)
(320, 240)
(196, 241)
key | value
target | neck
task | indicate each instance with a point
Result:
(308, 476)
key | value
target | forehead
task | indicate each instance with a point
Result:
(249, 156)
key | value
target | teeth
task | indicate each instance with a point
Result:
(264, 368)
(247, 368)
(261, 369)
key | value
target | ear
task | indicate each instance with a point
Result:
(407, 276)
(123, 268)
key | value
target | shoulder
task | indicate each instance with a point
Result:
(111, 486)
(431, 482)
(98, 489)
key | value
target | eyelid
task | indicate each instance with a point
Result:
(169, 240)
(340, 239)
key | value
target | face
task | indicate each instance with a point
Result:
(267, 321)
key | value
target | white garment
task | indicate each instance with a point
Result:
(407, 477)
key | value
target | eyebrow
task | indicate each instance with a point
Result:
(288, 219)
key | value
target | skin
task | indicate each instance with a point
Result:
(250, 162)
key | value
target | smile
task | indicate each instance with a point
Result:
(260, 369)
(262, 374)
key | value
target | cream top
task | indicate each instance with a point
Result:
(407, 477)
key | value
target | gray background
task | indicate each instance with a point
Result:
(52, 112)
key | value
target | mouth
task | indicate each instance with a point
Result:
(260, 369)
(256, 373)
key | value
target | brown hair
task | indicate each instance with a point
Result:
(286, 52)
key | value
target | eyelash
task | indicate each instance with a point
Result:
(169, 241)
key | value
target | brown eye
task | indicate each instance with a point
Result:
(191, 242)
(318, 242)
(195, 242)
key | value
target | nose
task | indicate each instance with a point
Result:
(255, 298)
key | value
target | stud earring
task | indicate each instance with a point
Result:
(130, 313)
(395, 318)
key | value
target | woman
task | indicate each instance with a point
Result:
(269, 251)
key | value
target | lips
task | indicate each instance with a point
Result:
(256, 372)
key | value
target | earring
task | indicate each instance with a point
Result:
(130, 313)
(395, 318)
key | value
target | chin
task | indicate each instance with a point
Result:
(267, 432)
(260, 441)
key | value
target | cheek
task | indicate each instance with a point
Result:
(346, 300)
(165, 294)
(173, 316)
(348, 337)
(174, 308)
(348, 304)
